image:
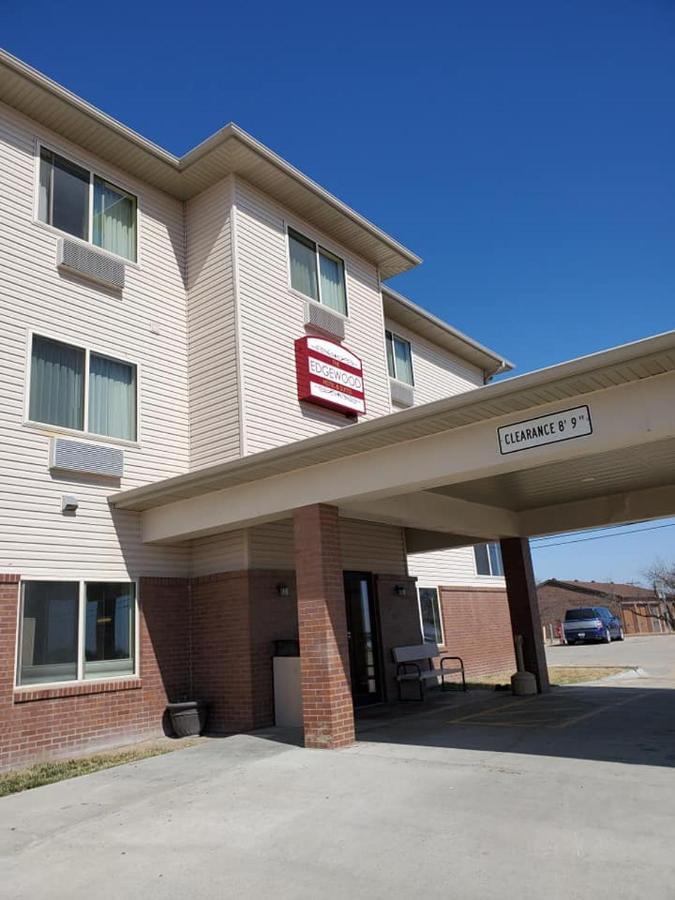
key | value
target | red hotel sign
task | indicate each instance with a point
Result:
(329, 375)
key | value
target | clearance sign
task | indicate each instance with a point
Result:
(329, 375)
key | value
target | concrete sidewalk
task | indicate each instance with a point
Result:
(562, 797)
(654, 655)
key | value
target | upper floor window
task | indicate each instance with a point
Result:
(430, 615)
(74, 388)
(488, 559)
(316, 272)
(399, 358)
(75, 200)
(71, 631)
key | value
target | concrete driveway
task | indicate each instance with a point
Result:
(570, 795)
(653, 654)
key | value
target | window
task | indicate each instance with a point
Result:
(53, 647)
(430, 615)
(399, 358)
(62, 376)
(114, 219)
(488, 559)
(316, 272)
(74, 200)
(64, 194)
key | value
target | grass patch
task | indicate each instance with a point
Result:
(559, 675)
(49, 772)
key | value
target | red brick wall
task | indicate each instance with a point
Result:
(236, 617)
(322, 624)
(477, 627)
(221, 672)
(399, 623)
(52, 722)
(272, 618)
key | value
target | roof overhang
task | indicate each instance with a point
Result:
(437, 470)
(229, 151)
(425, 324)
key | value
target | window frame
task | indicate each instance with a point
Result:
(93, 173)
(394, 334)
(88, 351)
(81, 634)
(489, 574)
(318, 247)
(435, 589)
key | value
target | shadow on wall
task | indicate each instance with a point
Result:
(164, 560)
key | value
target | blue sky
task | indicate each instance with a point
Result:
(524, 149)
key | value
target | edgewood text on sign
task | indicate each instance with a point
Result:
(559, 426)
(329, 375)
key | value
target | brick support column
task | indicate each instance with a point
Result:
(523, 606)
(328, 710)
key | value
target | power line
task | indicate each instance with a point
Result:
(600, 537)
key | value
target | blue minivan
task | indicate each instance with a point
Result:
(592, 623)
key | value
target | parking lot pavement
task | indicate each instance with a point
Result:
(568, 795)
(653, 654)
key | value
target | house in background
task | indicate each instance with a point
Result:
(640, 609)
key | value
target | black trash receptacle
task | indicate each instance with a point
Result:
(187, 718)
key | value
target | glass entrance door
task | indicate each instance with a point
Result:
(363, 633)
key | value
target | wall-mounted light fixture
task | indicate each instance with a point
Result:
(282, 590)
(399, 590)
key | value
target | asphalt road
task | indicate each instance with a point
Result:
(569, 795)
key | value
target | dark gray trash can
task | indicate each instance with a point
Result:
(187, 718)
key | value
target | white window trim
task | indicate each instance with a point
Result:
(430, 587)
(394, 377)
(49, 428)
(88, 242)
(320, 245)
(80, 680)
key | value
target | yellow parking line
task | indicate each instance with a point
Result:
(492, 709)
(546, 713)
(599, 709)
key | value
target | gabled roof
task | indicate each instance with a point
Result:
(435, 330)
(602, 588)
(229, 151)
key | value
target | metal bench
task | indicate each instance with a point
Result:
(409, 661)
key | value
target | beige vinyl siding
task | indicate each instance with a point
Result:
(227, 552)
(365, 546)
(451, 567)
(271, 546)
(438, 373)
(214, 405)
(144, 325)
(272, 316)
(372, 547)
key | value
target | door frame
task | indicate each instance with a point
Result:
(376, 625)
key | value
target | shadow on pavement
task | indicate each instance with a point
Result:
(615, 724)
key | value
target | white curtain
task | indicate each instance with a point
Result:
(57, 384)
(303, 265)
(114, 220)
(332, 283)
(389, 341)
(112, 398)
(403, 361)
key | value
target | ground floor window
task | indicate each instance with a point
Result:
(76, 630)
(430, 615)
